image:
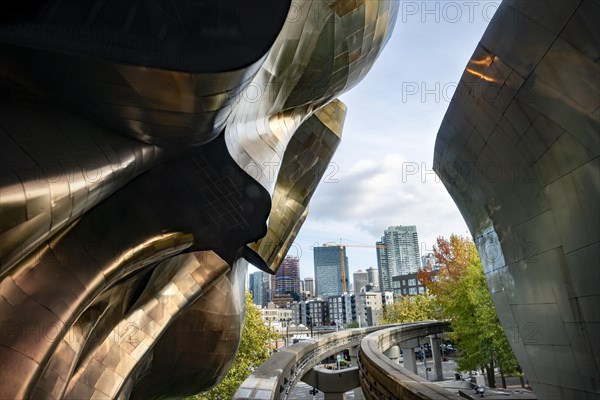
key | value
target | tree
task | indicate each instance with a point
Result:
(461, 290)
(353, 324)
(420, 307)
(252, 351)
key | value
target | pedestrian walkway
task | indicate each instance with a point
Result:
(513, 384)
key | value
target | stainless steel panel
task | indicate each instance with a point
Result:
(536, 221)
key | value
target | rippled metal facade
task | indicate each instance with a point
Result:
(150, 150)
(518, 151)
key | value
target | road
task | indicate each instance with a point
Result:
(301, 389)
(448, 369)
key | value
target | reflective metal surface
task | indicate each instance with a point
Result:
(518, 151)
(162, 72)
(305, 69)
(306, 160)
(137, 168)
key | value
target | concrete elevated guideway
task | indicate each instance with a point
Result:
(379, 375)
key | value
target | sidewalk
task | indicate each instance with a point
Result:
(513, 384)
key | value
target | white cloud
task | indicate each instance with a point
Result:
(386, 134)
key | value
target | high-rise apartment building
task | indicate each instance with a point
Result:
(397, 254)
(260, 288)
(382, 266)
(361, 280)
(286, 282)
(328, 270)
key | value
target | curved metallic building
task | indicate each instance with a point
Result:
(518, 151)
(150, 150)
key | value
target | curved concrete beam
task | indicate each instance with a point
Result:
(382, 378)
(277, 376)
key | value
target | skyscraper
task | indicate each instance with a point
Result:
(287, 279)
(328, 270)
(399, 254)
(360, 279)
(385, 279)
(260, 288)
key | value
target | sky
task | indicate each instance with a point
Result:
(381, 174)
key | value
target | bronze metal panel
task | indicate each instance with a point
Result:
(128, 187)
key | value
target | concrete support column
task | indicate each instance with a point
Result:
(410, 361)
(393, 353)
(437, 357)
(358, 394)
(353, 356)
(335, 396)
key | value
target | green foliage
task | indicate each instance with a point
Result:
(353, 324)
(253, 350)
(421, 307)
(462, 293)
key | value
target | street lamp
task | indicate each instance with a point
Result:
(424, 358)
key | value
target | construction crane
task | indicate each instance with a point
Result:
(341, 246)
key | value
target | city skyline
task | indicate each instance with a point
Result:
(382, 173)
